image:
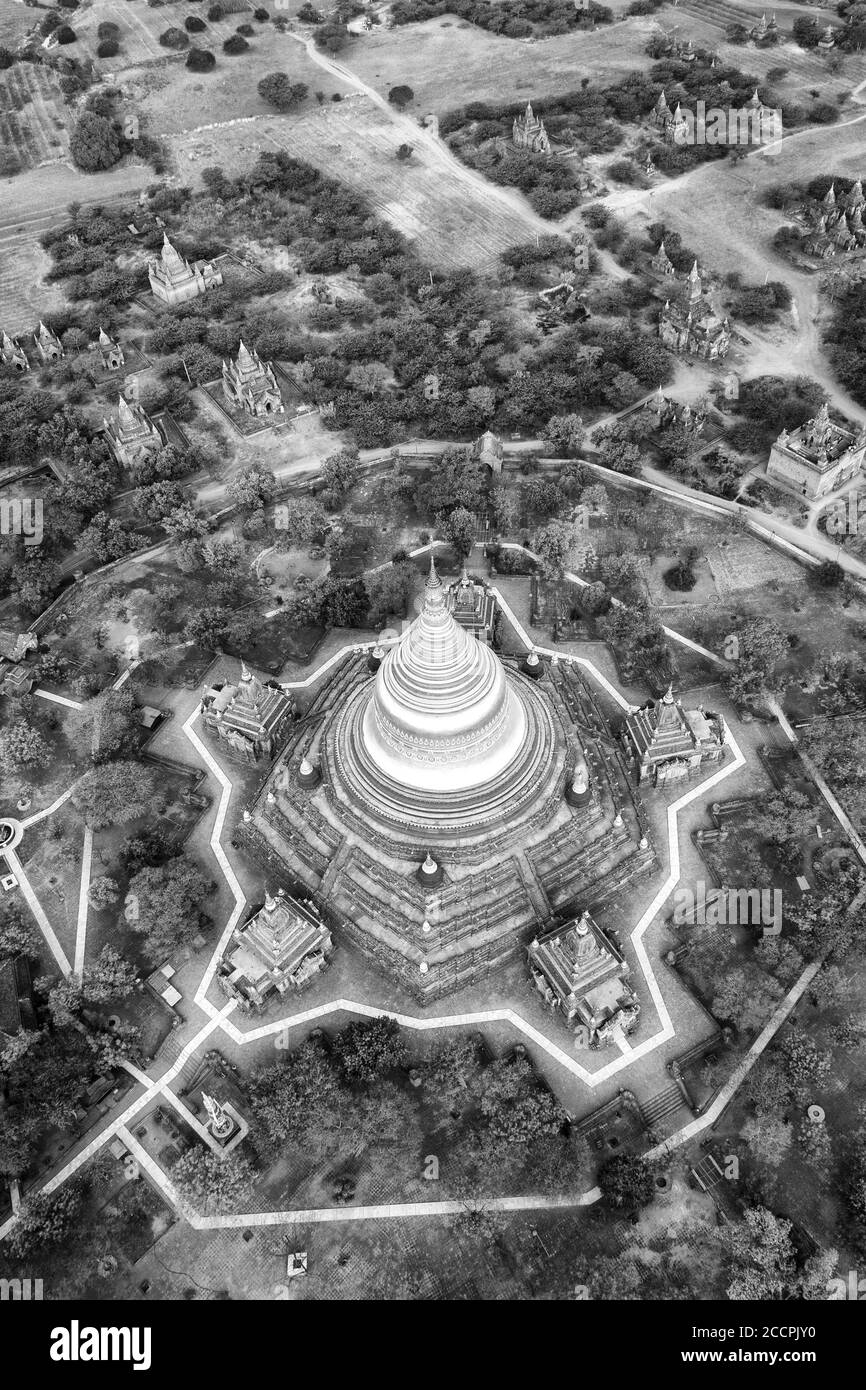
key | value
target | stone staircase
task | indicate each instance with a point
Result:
(665, 1103)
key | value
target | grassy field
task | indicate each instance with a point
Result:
(448, 62)
(354, 141)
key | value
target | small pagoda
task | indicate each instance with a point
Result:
(582, 975)
(131, 435)
(666, 743)
(175, 280)
(280, 950)
(249, 718)
(250, 384)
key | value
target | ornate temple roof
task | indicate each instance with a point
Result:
(442, 717)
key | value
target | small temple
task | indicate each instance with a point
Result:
(528, 132)
(581, 974)
(488, 448)
(472, 605)
(249, 718)
(250, 384)
(131, 435)
(665, 743)
(175, 280)
(13, 354)
(110, 351)
(694, 327)
(281, 949)
(818, 457)
(48, 344)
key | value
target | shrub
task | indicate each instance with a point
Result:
(94, 143)
(65, 34)
(400, 96)
(279, 89)
(246, 29)
(235, 45)
(107, 30)
(173, 38)
(108, 48)
(200, 60)
(194, 24)
(261, 15)
(215, 12)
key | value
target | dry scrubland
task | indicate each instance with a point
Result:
(172, 99)
(448, 63)
(452, 224)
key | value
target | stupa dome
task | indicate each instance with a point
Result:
(446, 737)
(442, 716)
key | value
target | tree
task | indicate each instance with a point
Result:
(368, 1050)
(174, 38)
(106, 538)
(459, 530)
(296, 1101)
(746, 997)
(252, 487)
(211, 1183)
(299, 519)
(769, 1138)
(108, 977)
(153, 502)
(564, 433)
(401, 96)
(106, 724)
(103, 892)
(757, 646)
(235, 45)
(760, 1254)
(340, 473)
(46, 1219)
(829, 574)
(164, 905)
(806, 1066)
(553, 544)
(279, 89)
(113, 793)
(16, 932)
(200, 59)
(541, 498)
(94, 143)
(626, 1182)
(813, 1142)
(389, 591)
(22, 748)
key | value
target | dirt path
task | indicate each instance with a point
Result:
(439, 153)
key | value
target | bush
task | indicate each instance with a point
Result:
(246, 29)
(200, 60)
(173, 38)
(108, 48)
(235, 45)
(194, 25)
(107, 30)
(215, 12)
(94, 143)
(279, 89)
(401, 96)
(65, 34)
(261, 15)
